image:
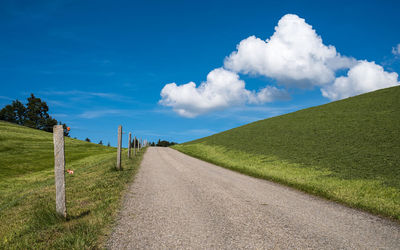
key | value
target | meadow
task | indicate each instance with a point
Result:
(347, 151)
(27, 191)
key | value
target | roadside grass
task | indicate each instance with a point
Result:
(347, 151)
(24, 150)
(27, 198)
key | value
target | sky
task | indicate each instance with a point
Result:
(182, 70)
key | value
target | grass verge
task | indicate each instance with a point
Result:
(27, 197)
(370, 195)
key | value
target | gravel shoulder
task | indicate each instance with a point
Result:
(177, 201)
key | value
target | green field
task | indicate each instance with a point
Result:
(27, 191)
(347, 151)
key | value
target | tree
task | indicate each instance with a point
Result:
(165, 143)
(65, 128)
(101, 142)
(14, 113)
(34, 115)
(87, 139)
(37, 116)
(108, 144)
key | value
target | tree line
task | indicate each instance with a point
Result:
(164, 143)
(34, 115)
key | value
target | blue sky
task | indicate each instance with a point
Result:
(99, 64)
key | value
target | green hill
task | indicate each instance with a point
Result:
(27, 191)
(348, 150)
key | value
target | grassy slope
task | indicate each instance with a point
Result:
(348, 151)
(27, 192)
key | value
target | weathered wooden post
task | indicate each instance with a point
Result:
(119, 147)
(59, 169)
(129, 146)
(134, 147)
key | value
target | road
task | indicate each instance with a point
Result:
(177, 201)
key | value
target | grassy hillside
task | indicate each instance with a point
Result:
(27, 191)
(348, 151)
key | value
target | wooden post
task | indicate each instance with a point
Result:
(119, 147)
(129, 146)
(134, 146)
(59, 169)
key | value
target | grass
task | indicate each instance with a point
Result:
(347, 151)
(27, 192)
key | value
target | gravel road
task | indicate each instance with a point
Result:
(177, 201)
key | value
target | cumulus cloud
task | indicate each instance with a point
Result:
(396, 50)
(294, 55)
(363, 77)
(222, 89)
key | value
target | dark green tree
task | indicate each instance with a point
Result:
(14, 113)
(34, 115)
(101, 142)
(37, 116)
(87, 139)
(66, 132)
(165, 143)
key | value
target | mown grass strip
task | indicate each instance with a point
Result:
(93, 197)
(27, 191)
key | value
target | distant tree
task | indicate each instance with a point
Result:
(65, 128)
(37, 116)
(34, 115)
(108, 144)
(87, 139)
(152, 144)
(135, 143)
(101, 142)
(165, 143)
(14, 113)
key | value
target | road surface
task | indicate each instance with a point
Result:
(177, 201)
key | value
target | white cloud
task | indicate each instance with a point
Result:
(396, 50)
(294, 55)
(268, 94)
(363, 77)
(222, 89)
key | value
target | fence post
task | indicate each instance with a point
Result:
(59, 169)
(119, 147)
(134, 146)
(129, 146)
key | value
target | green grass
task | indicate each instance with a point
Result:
(27, 191)
(347, 151)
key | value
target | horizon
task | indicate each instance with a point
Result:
(181, 71)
